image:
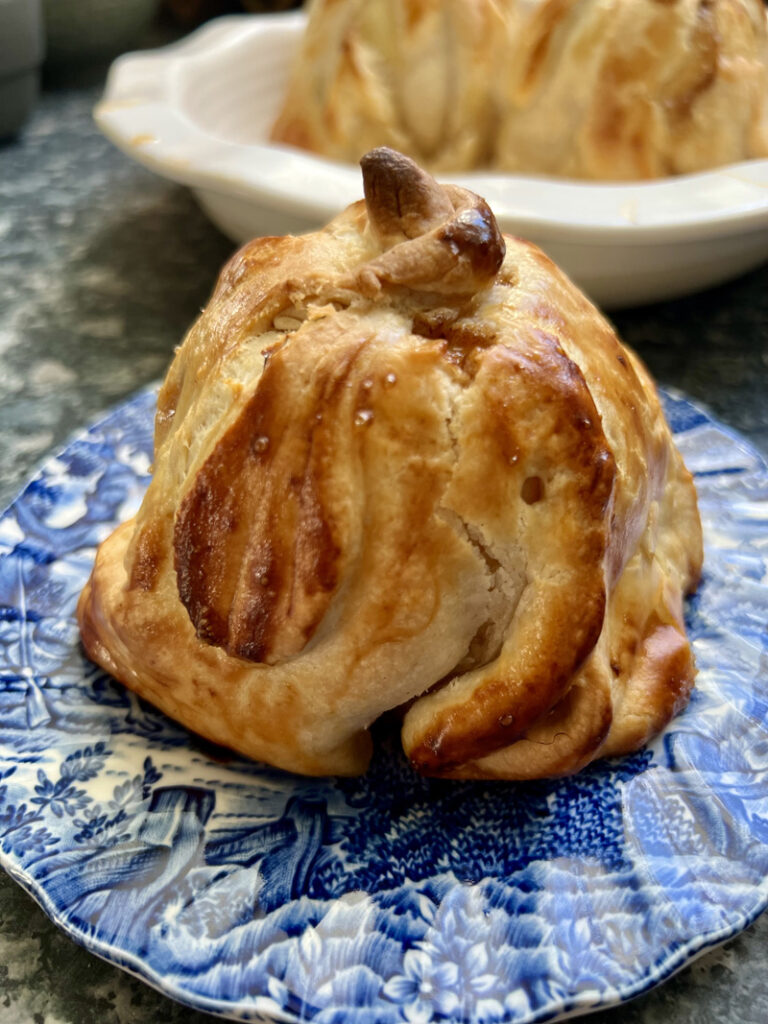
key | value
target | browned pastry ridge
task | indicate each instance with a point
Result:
(636, 89)
(403, 462)
(591, 89)
(413, 74)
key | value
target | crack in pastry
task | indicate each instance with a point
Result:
(402, 462)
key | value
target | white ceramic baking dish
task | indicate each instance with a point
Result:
(199, 111)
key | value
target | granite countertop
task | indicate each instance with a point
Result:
(102, 267)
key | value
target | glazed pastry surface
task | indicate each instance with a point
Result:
(403, 463)
(412, 74)
(590, 89)
(636, 89)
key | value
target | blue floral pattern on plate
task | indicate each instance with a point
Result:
(263, 896)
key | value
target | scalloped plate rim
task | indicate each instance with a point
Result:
(675, 960)
(216, 162)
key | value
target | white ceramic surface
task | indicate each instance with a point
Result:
(199, 112)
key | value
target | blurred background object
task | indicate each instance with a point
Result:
(189, 13)
(21, 54)
(94, 30)
(72, 42)
(87, 32)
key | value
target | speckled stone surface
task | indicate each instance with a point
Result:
(102, 267)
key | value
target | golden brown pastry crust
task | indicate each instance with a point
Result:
(412, 74)
(596, 89)
(403, 462)
(633, 89)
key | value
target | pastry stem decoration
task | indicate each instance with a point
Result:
(437, 237)
(402, 463)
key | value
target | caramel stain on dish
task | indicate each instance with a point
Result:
(110, 106)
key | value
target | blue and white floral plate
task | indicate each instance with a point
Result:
(262, 896)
